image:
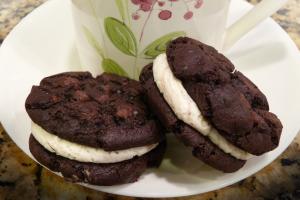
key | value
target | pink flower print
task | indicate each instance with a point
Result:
(135, 16)
(198, 4)
(165, 15)
(161, 3)
(145, 7)
(188, 15)
(136, 2)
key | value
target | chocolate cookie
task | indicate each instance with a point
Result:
(98, 174)
(94, 130)
(107, 112)
(226, 98)
(203, 148)
(228, 101)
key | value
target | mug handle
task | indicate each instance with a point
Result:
(259, 13)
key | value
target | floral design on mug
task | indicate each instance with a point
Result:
(121, 36)
(165, 7)
(108, 64)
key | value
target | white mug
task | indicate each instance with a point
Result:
(121, 36)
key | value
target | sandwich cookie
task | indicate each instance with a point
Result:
(197, 94)
(93, 130)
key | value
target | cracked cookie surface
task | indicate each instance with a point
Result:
(106, 112)
(226, 98)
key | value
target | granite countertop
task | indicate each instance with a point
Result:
(22, 178)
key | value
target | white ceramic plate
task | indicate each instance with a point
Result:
(43, 44)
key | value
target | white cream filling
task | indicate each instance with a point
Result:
(186, 109)
(83, 153)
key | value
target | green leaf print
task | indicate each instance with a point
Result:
(159, 46)
(93, 41)
(122, 9)
(111, 66)
(121, 36)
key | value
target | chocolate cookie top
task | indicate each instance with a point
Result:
(225, 97)
(105, 112)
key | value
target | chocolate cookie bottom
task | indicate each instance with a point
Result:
(98, 174)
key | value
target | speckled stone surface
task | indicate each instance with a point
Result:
(22, 178)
